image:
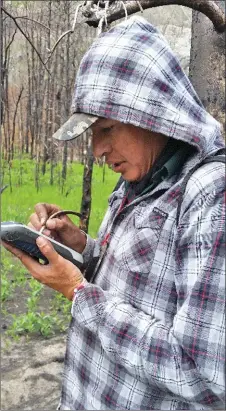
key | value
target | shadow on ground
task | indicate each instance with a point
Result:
(31, 373)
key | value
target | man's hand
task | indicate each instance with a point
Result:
(62, 229)
(60, 274)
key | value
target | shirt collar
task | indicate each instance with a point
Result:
(168, 163)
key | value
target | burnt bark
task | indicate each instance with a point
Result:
(11, 151)
(48, 103)
(119, 9)
(1, 61)
(207, 64)
(87, 186)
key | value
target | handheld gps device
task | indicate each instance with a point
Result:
(24, 238)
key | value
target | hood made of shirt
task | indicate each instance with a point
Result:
(130, 74)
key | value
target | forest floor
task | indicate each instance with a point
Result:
(31, 373)
(31, 368)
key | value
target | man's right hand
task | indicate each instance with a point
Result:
(61, 228)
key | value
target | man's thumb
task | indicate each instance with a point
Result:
(47, 249)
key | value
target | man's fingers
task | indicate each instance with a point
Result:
(57, 224)
(45, 231)
(34, 222)
(26, 260)
(47, 250)
(18, 253)
(45, 210)
(42, 212)
(9, 247)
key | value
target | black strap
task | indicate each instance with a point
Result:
(219, 157)
(90, 272)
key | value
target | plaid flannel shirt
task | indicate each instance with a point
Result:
(149, 332)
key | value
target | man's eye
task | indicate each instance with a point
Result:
(106, 129)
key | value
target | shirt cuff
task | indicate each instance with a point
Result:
(80, 286)
(88, 250)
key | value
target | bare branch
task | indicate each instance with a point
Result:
(57, 42)
(125, 9)
(76, 16)
(117, 11)
(105, 12)
(65, 33)
(141, 8)
(7, 48)
(27, 38)
(33, 21)
(90, 6)
(100, 25)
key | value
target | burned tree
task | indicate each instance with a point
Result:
(207, 64)
(87, 180)
(102, 13)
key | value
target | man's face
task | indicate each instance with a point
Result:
(128, 150)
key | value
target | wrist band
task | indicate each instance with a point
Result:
(79, 287)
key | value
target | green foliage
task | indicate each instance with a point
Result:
(35, 323)
(17, 204)
(17, 3)
(34, 294)
(5, 287)
(61, 304)
(18, 278)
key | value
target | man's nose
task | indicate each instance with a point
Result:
(101, 146)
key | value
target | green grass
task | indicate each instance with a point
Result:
(18, 202)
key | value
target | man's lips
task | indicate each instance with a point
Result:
(113, 164)
(116, 166)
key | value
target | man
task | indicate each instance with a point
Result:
(147, 329)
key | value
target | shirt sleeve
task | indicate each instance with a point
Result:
(187, 356)
(88, 250)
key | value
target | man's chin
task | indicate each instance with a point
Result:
(129, 178)
(126, 172)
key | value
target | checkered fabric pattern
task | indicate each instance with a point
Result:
(149, 333)
(130, 74)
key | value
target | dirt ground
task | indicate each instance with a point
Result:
(31, 373)
(31, 369)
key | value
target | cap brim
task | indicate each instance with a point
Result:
(77, 124)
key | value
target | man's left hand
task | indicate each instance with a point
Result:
(60, 274)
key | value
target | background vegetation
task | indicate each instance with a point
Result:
(37, 78)
(37, 85)
(27, 306)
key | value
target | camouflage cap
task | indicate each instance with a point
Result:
(76, 125)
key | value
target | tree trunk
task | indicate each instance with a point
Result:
(87, 185)
(48, 107)
(28, 102)
(1, 61)
(207, 64)
(67, 9)
(14, 125)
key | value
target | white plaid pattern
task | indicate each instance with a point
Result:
(149, 333)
